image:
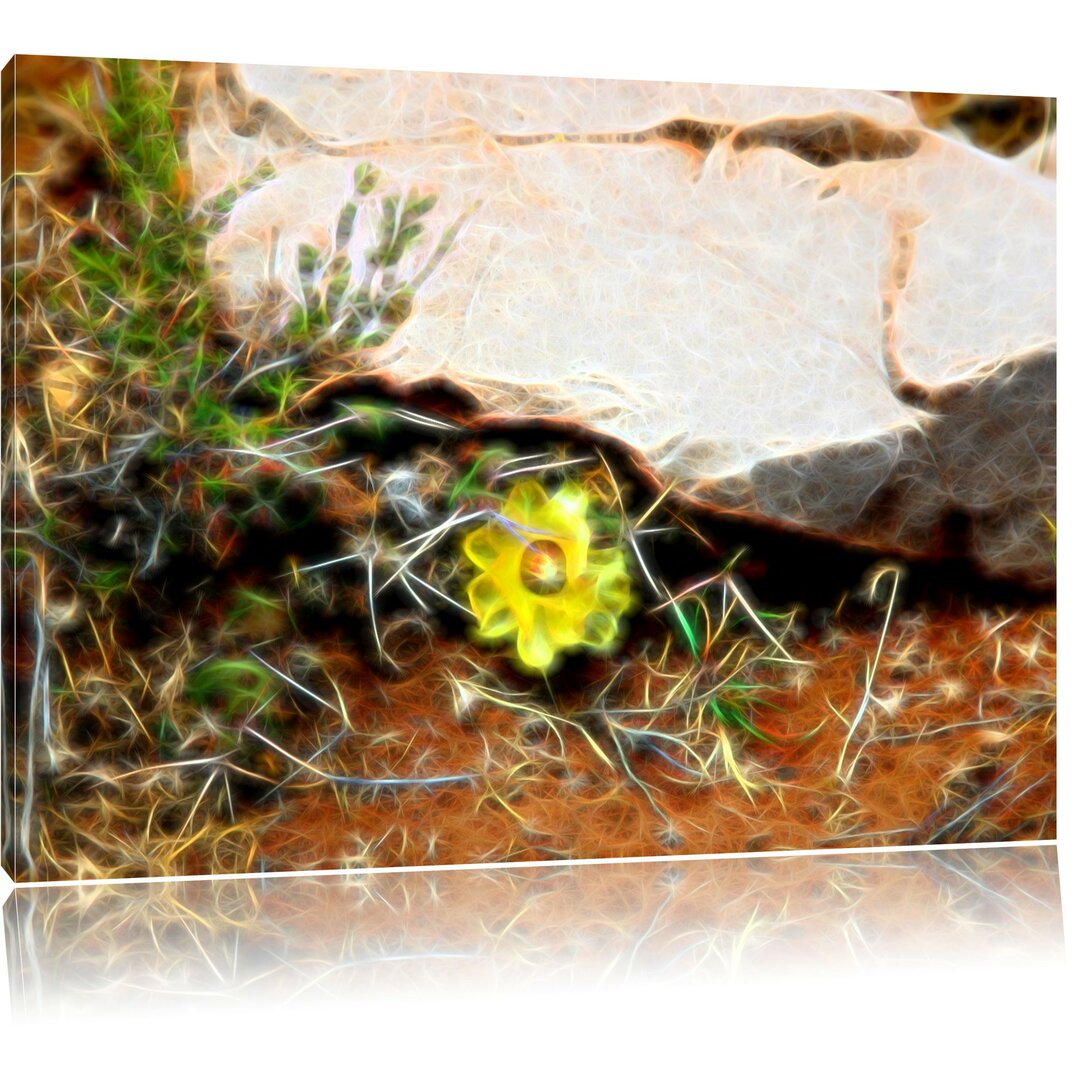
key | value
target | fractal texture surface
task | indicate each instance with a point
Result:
(435, 469)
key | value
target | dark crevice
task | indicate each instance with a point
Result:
(699, 134)
(824, 141)
(827, 141)
(783, 564)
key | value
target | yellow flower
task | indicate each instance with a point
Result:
(541, 582)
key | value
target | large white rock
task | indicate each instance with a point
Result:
(795, 302)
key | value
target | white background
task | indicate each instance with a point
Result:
(953, 1021)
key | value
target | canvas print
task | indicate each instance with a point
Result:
(410, 468)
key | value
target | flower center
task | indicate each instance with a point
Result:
(543, 567)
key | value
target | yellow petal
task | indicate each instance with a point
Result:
(482, 546)
(571, 502)
(600, 629)
(524, 501)
(534, 645)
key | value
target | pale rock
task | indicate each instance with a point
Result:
(794, 303)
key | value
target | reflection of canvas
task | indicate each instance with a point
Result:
(428, 469)
(414, 935)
